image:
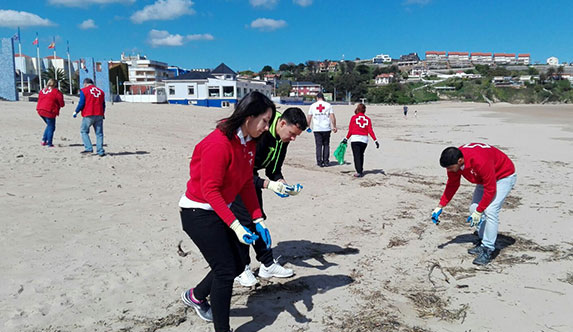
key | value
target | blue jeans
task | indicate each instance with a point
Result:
(488, 228)
(97, 122)
(50, 129)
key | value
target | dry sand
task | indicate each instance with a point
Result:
(90, 244)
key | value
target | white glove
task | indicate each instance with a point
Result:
(279, 188)
(243, 233)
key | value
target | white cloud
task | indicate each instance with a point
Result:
(268, 24)
(263, 3)
(164, 38)
(417, 2)
(87, 24)
(81, 3)
(14, 19)
(303, 3)
(204, 36)
(163, 10)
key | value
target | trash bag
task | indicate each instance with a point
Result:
(339, 153)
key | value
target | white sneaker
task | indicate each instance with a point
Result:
(247, 278)
(275, 270)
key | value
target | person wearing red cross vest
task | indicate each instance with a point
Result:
(92, 106)
(322, 121)
(50, 100)
(358, 130)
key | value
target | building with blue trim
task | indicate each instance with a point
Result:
(219, 87)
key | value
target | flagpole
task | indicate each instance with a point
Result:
(69, 66)
(21, 62)
(38, 56)
(54, 62)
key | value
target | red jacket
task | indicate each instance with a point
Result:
(50, 100)
(94, 100)
(220, 169)
(483, 164)
(360, 124)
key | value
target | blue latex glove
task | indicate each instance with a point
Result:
(263, 231)
(75, 115)
(243, 233)
(475, 219)
(294, 189)
(308, 130)
(436, 215)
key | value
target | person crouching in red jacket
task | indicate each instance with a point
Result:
(50, 100)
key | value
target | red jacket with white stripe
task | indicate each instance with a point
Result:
(220, 169)
(483, 164)
(360, 124)
(50, 100)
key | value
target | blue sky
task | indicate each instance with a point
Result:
(248, 34)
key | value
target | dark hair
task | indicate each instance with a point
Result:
(88, 81)
(295, 116)
(360, 108)
(450, 156)
(319, 95)
(252, 104)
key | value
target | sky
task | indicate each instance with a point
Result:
(249, 34)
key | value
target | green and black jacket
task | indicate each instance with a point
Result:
(270, 155)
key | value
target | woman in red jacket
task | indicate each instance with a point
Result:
(221, 168)
(50, 100)
(358, 130)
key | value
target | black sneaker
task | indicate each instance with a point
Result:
(475, 250)
(203, 309)
(484, 257)
(86, 152)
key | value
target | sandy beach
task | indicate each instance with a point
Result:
(91, 244)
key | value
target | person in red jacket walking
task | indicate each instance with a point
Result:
(50, 100)
(494, 175)
(221, 168)
(358, 130)
(92, 106)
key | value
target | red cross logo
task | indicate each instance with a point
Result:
(47, 91)
(320, 108)
(362, 121)
(95, 92)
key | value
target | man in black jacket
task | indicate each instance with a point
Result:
(270, 155)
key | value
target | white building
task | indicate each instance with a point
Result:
(384, 79)
(382, 58)
(482, 58)
(142, 69)
(219, 87)
(553, 61)
(523, 59)
(504, 58)
(436, 56)
(418, 71)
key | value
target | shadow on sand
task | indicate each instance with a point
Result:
(502, 242)
(266, 303)
(300, 251)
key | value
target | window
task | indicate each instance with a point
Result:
(225, 104)
(171, 90)
(213, 91)
(228, 91)
(190, 90)
(245, 91)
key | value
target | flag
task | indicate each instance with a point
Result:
(35, 42)
(52, 45)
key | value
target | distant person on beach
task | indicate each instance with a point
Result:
(405, 111)
(92, 106)
(50, 100)
(271, 152)
(416, 113)
(221, 168)
(321, 116)
(494, 175)
(359, 128)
